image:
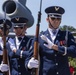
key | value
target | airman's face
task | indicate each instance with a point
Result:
(55, 22)
(20, 31)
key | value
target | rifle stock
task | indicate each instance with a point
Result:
(35, 71)
(36, 43)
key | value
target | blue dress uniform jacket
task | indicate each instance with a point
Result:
(55, 62)
(17, 62)
(1, 58)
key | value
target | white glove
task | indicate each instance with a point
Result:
(49, 43)
(33, 63)
(4, 67)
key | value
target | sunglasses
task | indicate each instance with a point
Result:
(53, 18)
(18, 27)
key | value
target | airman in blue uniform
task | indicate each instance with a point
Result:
(3, 23)
(17, 50)
(55, 46)
(21, 18)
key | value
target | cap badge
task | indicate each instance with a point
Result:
(56, 8)
(17, 19)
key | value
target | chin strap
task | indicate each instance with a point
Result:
(51, 25)
(22, 33)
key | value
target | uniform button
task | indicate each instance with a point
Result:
(17, 58)
(55, 59)
(19, 73)
(56, 63)
(57, 72)
(20, 47)
(55, 54)
(18, 65)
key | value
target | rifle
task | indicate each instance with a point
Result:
(36, 38)
(5, 55)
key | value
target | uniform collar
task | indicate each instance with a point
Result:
(50, 30)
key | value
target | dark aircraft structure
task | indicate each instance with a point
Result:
(14, 8)
(18, 8)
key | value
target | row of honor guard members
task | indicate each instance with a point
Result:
(53, 50)
(17, 47)
(55, 46)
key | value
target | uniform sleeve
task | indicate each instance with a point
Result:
(18, 53)
(70, 50)
(30, 54)
(24, 53)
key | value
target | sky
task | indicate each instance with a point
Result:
(68, 18)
